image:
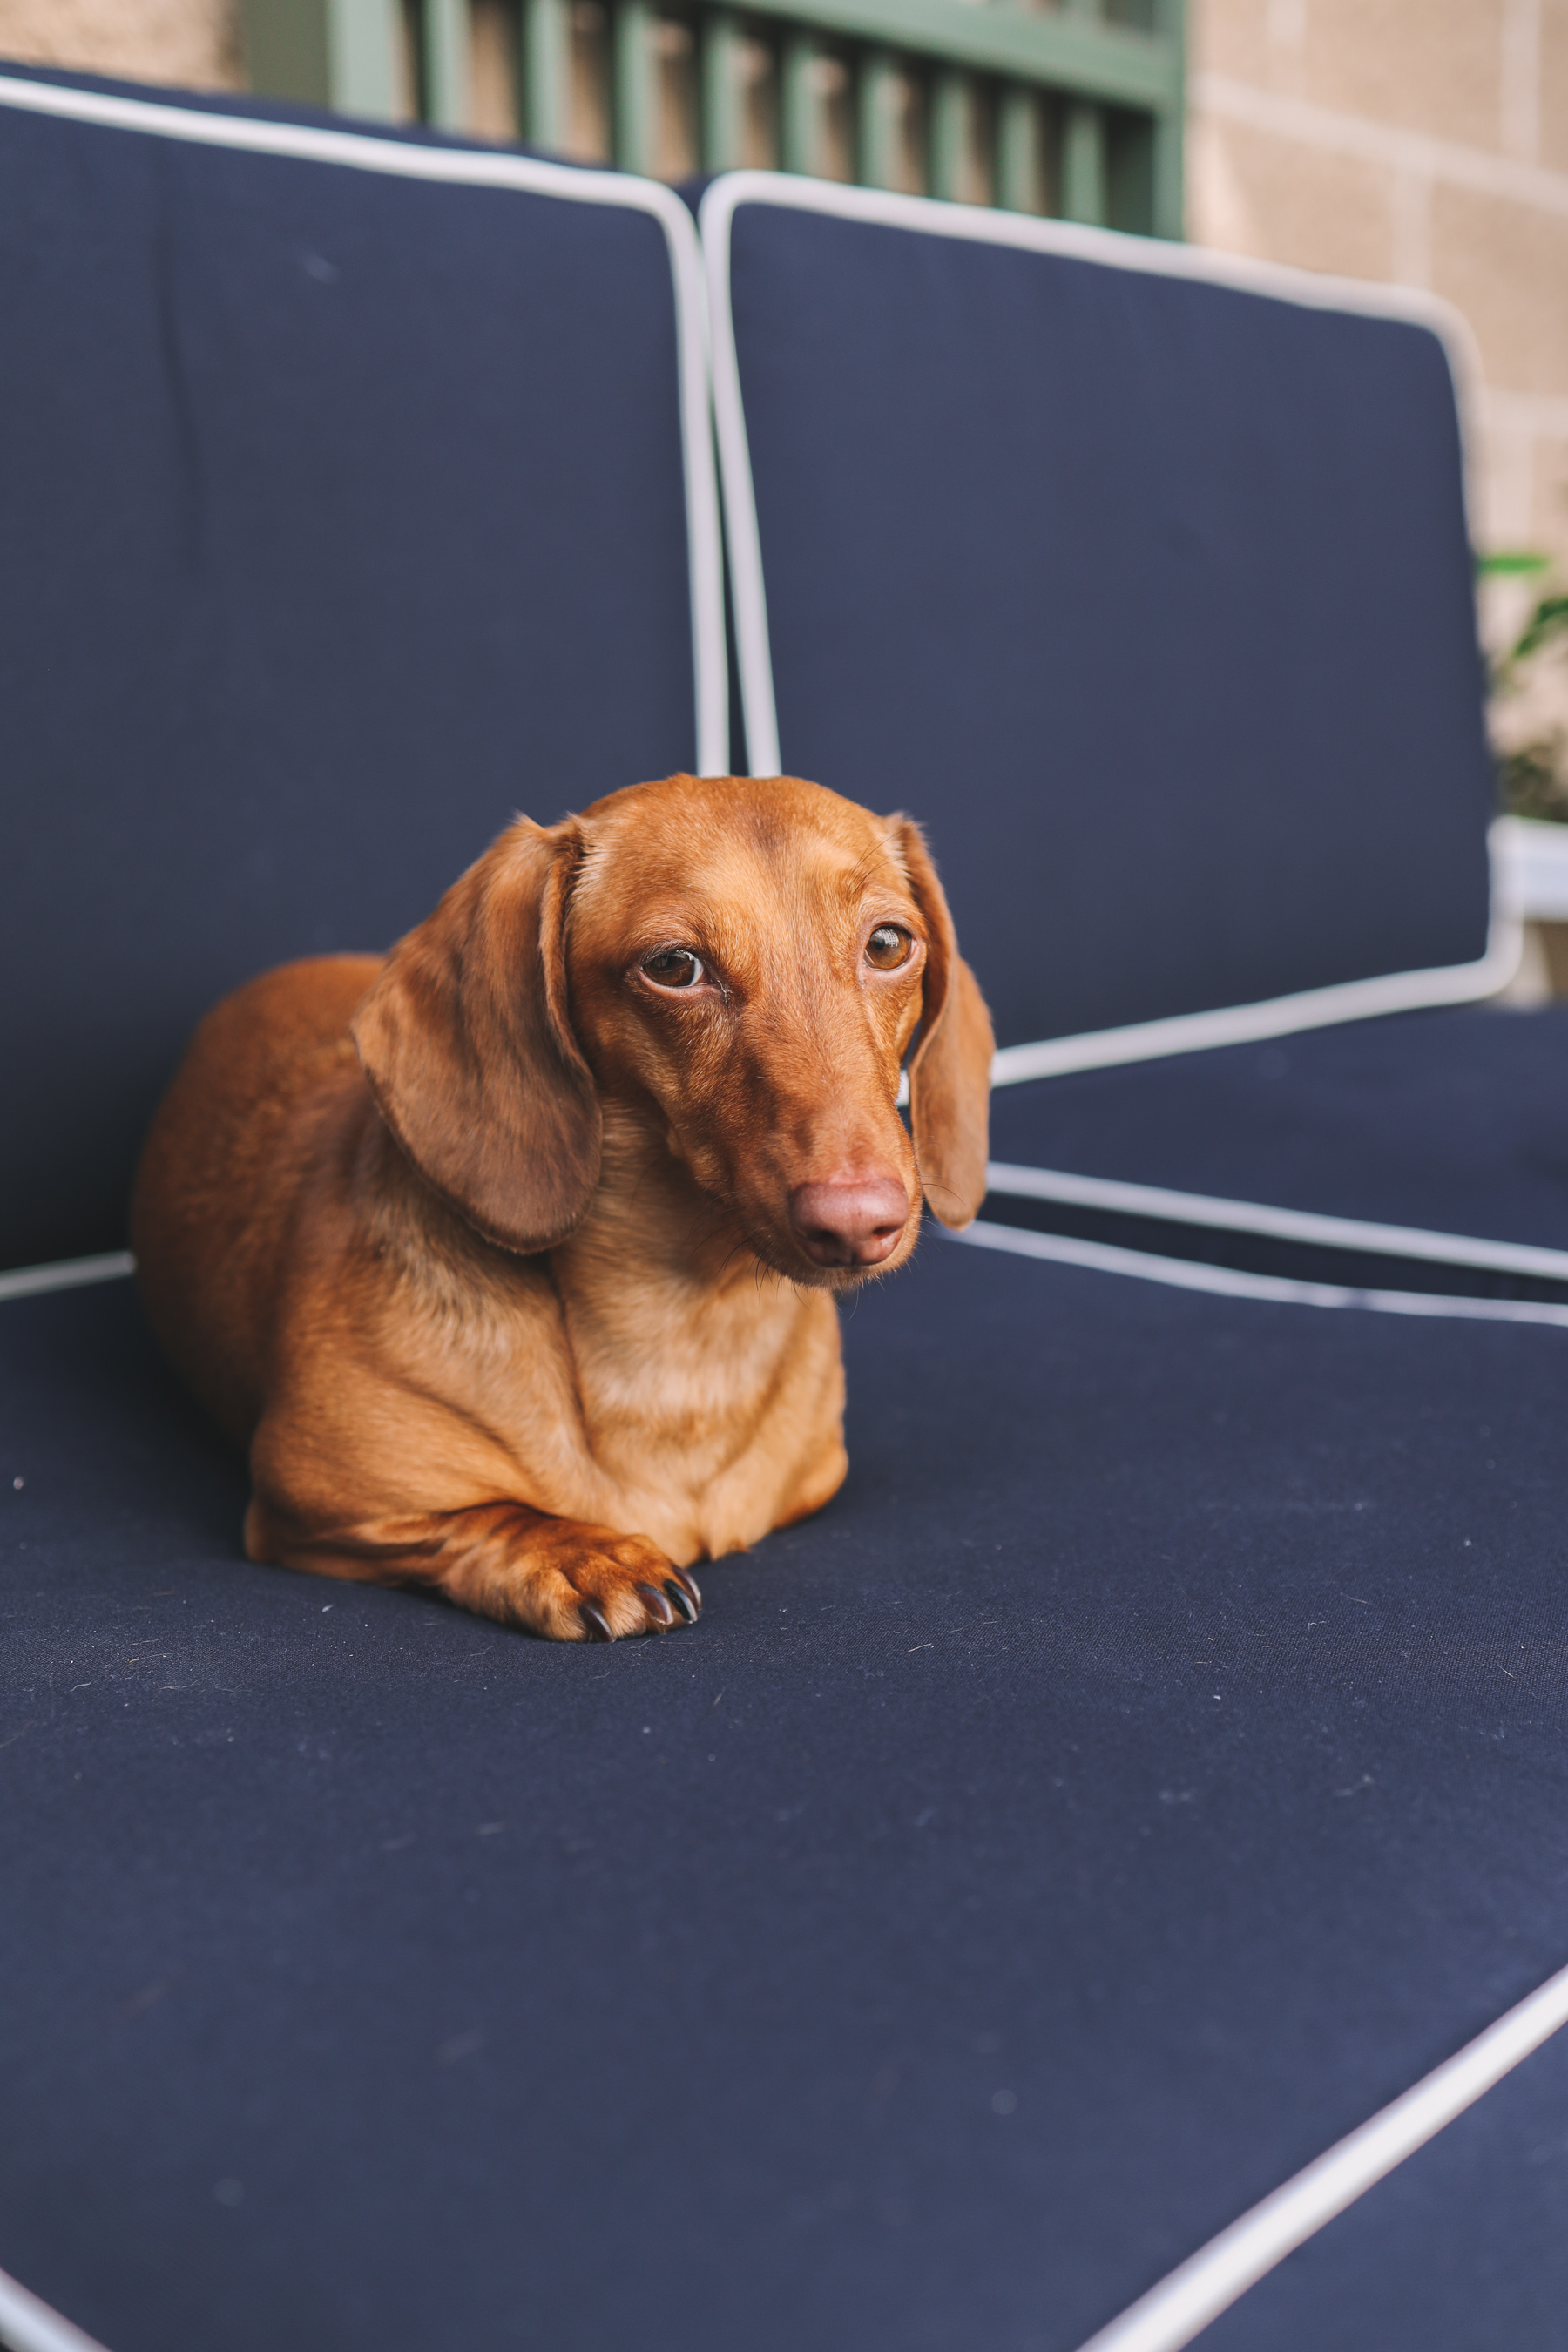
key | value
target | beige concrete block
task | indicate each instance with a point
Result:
(193, 43)
(492, 69)
(1230, 36)
(1506, 267)
(1523, 448)
(1250, 191)
(1549, 499)
(1498, 488)
(588, 116)
(1552, 85)
(1543, 971)
(1554, 955)
(1420, 64)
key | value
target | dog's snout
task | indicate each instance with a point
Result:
(853, 1221)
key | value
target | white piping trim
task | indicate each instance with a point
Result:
(1277, 1016)
(27, 2325)
(1280, 1224)
(457, 167)
(1141, 1041)
(69, 1274)
(1223, 1282)
(1530, 861)
(1183, 2304)
(748, 595)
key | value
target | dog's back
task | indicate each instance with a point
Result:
(268, 1071)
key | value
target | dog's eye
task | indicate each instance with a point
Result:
(673, 968)
(887, 946)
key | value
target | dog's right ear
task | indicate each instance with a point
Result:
(466, 1042)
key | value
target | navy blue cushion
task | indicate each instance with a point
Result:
(1150, 598)
(1459, 2249)
(345, 518)
(1455, 1120)
(1151, 1764)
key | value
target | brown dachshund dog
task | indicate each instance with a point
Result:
(512, 1255)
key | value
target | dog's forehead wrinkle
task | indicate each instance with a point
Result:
(708, 885)
(753, 854)
(878, 862)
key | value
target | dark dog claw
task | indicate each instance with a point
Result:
(688, 1584)
(596, 1624)
(683, 1601)
(657, 1607)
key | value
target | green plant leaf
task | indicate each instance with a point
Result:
(1511, 564)
(1549, 620)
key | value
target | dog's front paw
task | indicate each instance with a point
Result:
(563, 1578)
(603, 1586)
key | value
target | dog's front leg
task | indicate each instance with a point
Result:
(561, 1577)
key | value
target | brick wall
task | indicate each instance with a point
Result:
(190, 44)
(1425, 143)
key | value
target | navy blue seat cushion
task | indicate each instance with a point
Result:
(1150, 1764)
(1455, 1120)
(1150, 597)
(1457, 2251)
(345, 518)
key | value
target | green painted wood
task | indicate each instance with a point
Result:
(719, 68)
(1084, 194)
(446, 61)
(364, 39)
(284, 47)
(1170, 129)
(1019, 150)
(949, 131)
(546, 72)
(349, 53)
(1111, 62)
(1130, 174)
(1170, 174)
(1086, 170)
(634, 92)
(875, 93)
(799, 112)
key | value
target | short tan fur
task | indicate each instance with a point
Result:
(512, 1257)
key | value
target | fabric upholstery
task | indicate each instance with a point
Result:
(1152, 1761)
(1151, 598)
(1460, 2248)
(1455, 1120)
(1151, 1764)
(343, 519)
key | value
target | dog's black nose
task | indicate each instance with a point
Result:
(854, 1221)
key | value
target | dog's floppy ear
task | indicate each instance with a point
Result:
(950, 1069)
(466, 1042)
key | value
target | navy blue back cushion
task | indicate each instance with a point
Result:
(341, 517)
(1152, 598)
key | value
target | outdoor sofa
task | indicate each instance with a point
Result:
(1152, 1764)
